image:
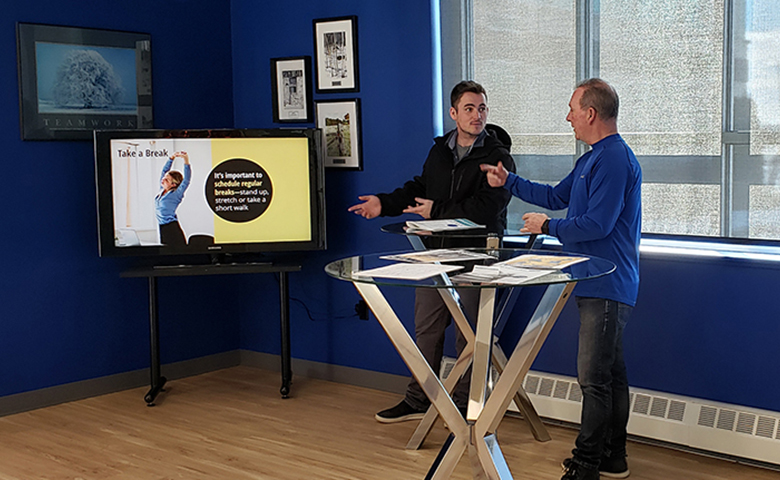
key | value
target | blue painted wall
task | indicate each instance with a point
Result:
(395, 65)
(65, 315)
(702, 328)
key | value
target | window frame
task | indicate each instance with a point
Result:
(457, 63)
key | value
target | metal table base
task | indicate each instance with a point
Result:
(486, 408)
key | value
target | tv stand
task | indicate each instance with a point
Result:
(157, 380)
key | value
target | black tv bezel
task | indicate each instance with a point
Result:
(104, 192)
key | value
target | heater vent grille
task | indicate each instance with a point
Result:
(546, 387)
(746, 422)
(575, 394)
(561, 389)
(726, 419)
(707, 416)
(642, 404)
(676, 410)
(766, 426)
(658, 407)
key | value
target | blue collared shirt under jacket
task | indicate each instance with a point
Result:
(167, 203)
(603, 195)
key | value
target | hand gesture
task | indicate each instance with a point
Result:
(423, 207)
(496, 174)
(370, 208)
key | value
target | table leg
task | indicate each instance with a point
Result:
(480, 370)
(423, 373)
(447, 459)
(519, 363)
(527, 410)
(461, 365)
(522, 401)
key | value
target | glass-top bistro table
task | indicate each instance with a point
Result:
(487, 401)
(505, 302)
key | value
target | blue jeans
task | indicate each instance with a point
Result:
(601, 373)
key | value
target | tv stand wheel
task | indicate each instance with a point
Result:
(154, 391)
(285, 391)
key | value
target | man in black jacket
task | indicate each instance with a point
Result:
(451, 186)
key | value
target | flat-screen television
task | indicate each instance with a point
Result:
(189, 192)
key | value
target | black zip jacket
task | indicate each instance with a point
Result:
(462, 190)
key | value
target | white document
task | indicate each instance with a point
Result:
(408, 271)
(543, 261)
(501, 274)
(443, 225)
(439, 255)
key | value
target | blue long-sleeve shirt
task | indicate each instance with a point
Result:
(603, 195)
(166, 203)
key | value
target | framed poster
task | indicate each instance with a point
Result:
(76, 80)
(339, 121)
(336, 54)
(291, 86)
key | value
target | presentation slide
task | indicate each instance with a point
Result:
(210, 190)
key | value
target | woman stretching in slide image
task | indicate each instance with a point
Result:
(174, 184)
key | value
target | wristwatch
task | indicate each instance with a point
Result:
(546, 227)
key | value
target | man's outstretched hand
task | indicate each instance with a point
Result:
(496, 174)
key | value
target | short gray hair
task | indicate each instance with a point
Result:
(600, 96)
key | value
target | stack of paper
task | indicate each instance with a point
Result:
(544, 261)
(442, 225)
(408, 271)
(501, 274)
(440, 255)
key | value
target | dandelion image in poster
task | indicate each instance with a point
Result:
(82, 78)
(293, 89)
(336, 61)
(337, 136)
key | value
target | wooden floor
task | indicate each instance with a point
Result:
(232, 424)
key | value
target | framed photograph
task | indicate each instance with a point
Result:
(76, 80)
(336, 54)
(291, 86)
(339, 121)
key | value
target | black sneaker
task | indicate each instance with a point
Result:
(403, 412)
(614, 467)
(575, 471)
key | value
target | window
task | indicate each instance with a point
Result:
(699, 84)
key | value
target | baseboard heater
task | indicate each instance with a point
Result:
(697, 424)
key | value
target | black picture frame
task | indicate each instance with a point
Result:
(54, 104)
(291, 89)
(341, 147)
(336, 54)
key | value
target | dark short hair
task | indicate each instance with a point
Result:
(600, 96)
(463, 87)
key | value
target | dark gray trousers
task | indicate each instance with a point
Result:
(431, 318)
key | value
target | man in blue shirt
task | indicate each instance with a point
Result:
(604, 217)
